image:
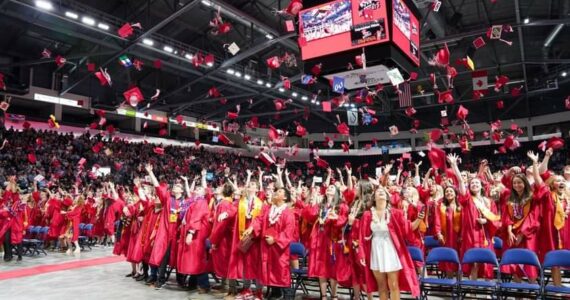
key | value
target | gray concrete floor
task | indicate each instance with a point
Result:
(106, 281)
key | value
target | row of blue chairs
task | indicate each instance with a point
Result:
(500, 288)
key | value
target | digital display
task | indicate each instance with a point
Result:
(406, 30)
(342, 25)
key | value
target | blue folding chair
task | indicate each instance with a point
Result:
(416, 254)
(525, 257)
(439, 286)
(299, 275)
(556, 258)
(430, 242)
(480, 287)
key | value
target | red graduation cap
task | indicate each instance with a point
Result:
(516, 91)
(286, 83)
(345, 147)
(555, 143)
(52, 122)
(163, 132)
(343, 129)
(272, 133)
(500, 104)
(435, 135)
(209, 59)
(138, 64)
(416, 123)
(232, 115)
(111, 129)
(224, 139)
(32, 158)
(179, 119)
(445, 97)
(478, 42)
(266, 159)
(157, 64)
(410, 111)
(158, 150)
(91, 67)
(93, 125)
(413, 76)
(394, 130)
(567, 102)
(441, 58)
(462, 113)
(213, 92)
(104, 77)
(279, 104)
(321, 163)
(273, 62)
(289, 26)
(197, 143)
(128, 29)
(97, 147)
(26, 125)
(500, 82)
(118, 166)
(301, 131)
(60, 61)
(133, 96)
(294, 7)
(437, 158)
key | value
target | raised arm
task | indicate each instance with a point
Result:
(260, 179)
(417, 174)
(348, 177)
(288, 180)
(187, 187)
(535, 171)
(340, 176)
(114, 193)
(452, 159)
(425, 184)
(279, 177)
(203, 179)
(543, 167)
(248, 177)
(153, 179)
(329, 175)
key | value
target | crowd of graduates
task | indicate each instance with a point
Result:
(240, 225)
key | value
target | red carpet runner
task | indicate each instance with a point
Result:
(31, 271)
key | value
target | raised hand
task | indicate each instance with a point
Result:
(533, 156)
(452, 158)
(148, 168)
(248, 172)
(184, 178)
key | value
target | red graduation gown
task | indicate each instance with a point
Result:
(274, 267)
(55, 217)
(193, 259)
(400, 230)
(74, 218)
(167, 229)
(475, 235)
(549, 237)
(445, 219)
(122, 245)
(113, 212)
(221, 237)
(325, 253)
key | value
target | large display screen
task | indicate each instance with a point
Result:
(342, 25)
(406, 30)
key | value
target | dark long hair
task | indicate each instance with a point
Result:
(445, 201)
(364, 197)
(527, 192)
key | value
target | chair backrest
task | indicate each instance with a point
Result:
(45, 229)
(442, 254)
(480, 255)
(36, 229)
(89, 227)
(497, 243)
(81, 226)
(416, 253)
(519, 256)
(431, 242)
(297, 249)
(557, 258)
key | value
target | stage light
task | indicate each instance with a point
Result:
(238, 74)
(526, 20)
(564, 74)
(44, 4)
(148, 42)
(168, 49)
(294, 94)
(247, 77)
(304, 98)
(352, 105)
(281, 89)
(189, 56)
(230, 71)
(313, 101)
(71, 15)
(318, 102)
(88, 21)
(260, 82)
(268, 85)
(269, 36)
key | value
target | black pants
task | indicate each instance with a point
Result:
(163, 265)
(7, 241)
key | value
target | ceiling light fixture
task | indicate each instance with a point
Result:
(88, 21)
(294, 94)
(189, 56)
(230, 71)
(304, 98)
(103, 26)
(268, 85)
(71, 15)
(148, 42)
(260, 82)
(564, 74)
(238, 74)
(168, 49)
(526, 20)
(281, 89)
(44, 4)
(247, 77)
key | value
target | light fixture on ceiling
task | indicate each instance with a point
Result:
(260, 82)
(269, 36)
(564, 74)
(294, 94)
(148, 42)
(87, 20)
(318, 103)
(103, 26)
(230, 71)
(44, 4)
(526, 21)
(189, 56)
(206, 2)
(313, 101)
(71, 15)
(238, 74)
(247, 77)
(268, 85)
(168, 49)
(281, 89)
(304, 98)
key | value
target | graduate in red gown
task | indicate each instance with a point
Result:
(275, 229)
(192, 257)
(73, 218)
(245, 265)
(428, 192)
(223, 218)
(113, 210)
(520, 223)
(479, 219)
(415, 211)
(134, 252)
(329, 217)
(447, 227)
(388, 283)
(14, 219)
(165, 243)
(550, 196)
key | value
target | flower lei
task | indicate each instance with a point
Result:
(275, 212)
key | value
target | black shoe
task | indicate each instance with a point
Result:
(150, 280)
(142, 277)
(159, 285)
(19, 258)
(8, 259)
(130, 275)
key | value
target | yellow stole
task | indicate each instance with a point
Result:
(559, 213)
(242, 211)
(456, 220)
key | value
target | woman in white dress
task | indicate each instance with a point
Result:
(383, 234)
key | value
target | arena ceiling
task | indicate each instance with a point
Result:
(537, 60)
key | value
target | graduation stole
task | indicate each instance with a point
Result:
(485, 211)
(559, 216)
(243, 210)
(456, 219)
(525, 212)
